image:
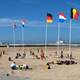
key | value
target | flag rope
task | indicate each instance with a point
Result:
(22, 38)
(70, 36)
(58, 43)
(46, 40)
(13, 37)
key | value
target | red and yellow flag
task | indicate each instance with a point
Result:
(49, 18)
(74, 13)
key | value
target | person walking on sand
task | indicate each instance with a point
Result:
(62, 54)
(42, 55)
(71, 57)
(0, 54)
(38, 50)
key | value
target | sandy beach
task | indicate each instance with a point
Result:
(39, 70)
(39, 40)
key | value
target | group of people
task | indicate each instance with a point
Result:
(68, 56)
(18, 55)
(2, 53)
(61, 59)
(14, 66)
(42, 54)
(68, 59)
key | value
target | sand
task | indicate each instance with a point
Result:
(39, 70)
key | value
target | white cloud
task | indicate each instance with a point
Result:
(4, 22)
(8, 22)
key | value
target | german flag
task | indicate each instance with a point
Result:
(74, 13)
(49, 18)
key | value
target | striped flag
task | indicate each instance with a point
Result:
(62, 17)
(14, 25)
(23, 22)
(74, 13)
(49, 18)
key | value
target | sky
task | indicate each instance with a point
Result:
(34, 12)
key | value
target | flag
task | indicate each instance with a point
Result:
(49, 18)
(74, 13)
(23, 22)
(14, 25)
(62, 17)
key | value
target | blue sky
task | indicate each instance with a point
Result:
(35, 11)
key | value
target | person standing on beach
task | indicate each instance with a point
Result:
(42, 54)
(62, 54)
(71, 57)
(38, 50)
(1, 54)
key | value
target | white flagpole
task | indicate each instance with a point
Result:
(70, 37)
(13, 36)
(22, 29)
(46, 40)
(58, 37)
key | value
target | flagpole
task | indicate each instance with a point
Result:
(22, 38)
(58, 37)
(70, 37)
(46, 40)
(13, 37)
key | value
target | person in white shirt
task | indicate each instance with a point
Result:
(13, 66)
